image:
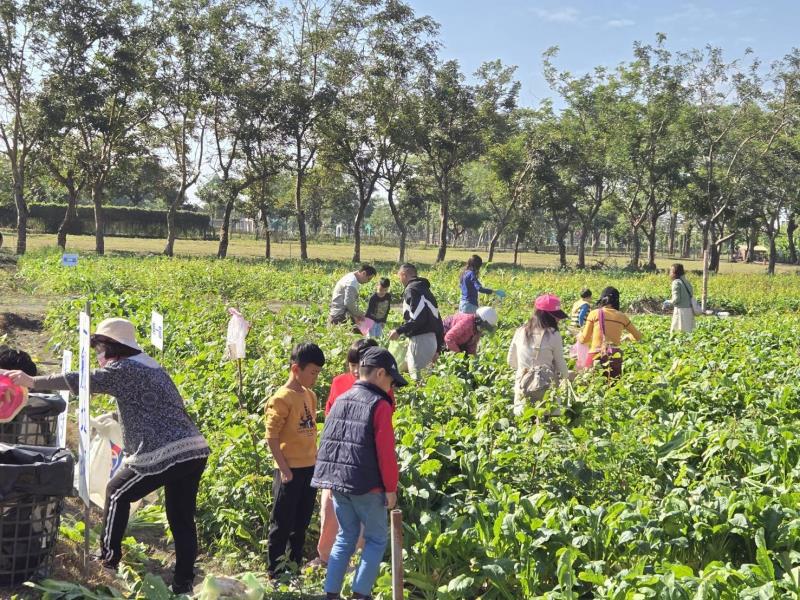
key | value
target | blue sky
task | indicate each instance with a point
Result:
(602, 32)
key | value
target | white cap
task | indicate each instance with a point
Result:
(119, 330)
(488, 315)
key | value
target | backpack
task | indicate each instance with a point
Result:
(538, 379)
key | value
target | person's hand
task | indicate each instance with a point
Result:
(393, 335)
(286, 476)
(391, 500)
(359, 319)
(19, 378)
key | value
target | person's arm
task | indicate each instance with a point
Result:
(101, 381)
(585, 336)
(676, 292)
(511, 359)
(351, 302)
(479, 287)
(280, 459)
(633, 331)
(384, 446)
(277, 412)
(415, 307)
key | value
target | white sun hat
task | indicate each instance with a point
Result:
(120, 330)
(488, 315)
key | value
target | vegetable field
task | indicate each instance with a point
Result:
(682, 481)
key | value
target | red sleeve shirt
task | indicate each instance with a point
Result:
(384, 445)
(339, 385)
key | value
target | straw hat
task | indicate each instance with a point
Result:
(119, 330)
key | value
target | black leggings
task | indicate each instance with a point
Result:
(180, 483)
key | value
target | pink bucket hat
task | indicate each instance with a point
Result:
(550, 303)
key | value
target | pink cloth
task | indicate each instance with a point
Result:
(461, 335)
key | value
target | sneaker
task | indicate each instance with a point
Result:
(107, 565)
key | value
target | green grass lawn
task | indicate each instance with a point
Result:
(251, 248)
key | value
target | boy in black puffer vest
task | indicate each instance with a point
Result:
(357, 460)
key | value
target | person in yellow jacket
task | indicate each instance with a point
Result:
(603, 332)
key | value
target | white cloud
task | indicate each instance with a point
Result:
(621, 23)
(568, 14)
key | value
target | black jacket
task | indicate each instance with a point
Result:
(420, 311)
(347, 460)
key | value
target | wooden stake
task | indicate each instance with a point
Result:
(397, 554)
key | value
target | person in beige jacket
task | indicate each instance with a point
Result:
(538, 342)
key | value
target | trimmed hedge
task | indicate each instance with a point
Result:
(119, 221)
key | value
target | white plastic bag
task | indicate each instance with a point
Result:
(238, 329)
(105, 457)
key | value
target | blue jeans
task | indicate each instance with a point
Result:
(352, 512)
(376, 330)
(465, 306)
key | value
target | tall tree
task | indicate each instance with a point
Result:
(22, 26)
(589, 126)
(103, 64)
(452, 135)
(182, 91)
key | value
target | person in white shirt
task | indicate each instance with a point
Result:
(344, 301)
(538, 343)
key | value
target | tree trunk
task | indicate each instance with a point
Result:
(99, 219)
(773, 253)
(791, 226)
(69, 216)
(636, 249)
(267, 237)
(732, 249)
(444, 215)
(517, 241)
(298, 205)
(169, 249)
(362, 206)
(595, 240)
(561, 236)
(673, 227)
(714, 258)
(651, 243)
(752, 239)
(687, 242)
(584, 232)
(22, 215)
(224, 231)
(399, 222)
(493, 244)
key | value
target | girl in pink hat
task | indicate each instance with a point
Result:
(538, 343)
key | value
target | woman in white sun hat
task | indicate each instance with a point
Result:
(163, 447)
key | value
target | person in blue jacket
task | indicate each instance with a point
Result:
(471, 285)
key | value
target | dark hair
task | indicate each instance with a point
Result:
(410, 268)
(586, 293)
(304, 354)
(540, 319)
(366, 371)
(113, 349)
(354, 354)
(368, 269)
(385, 283)
(609, 297)
(474, 264)
(17, 360)
(679, 270)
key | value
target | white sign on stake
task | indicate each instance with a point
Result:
(61, 427)
(84, 393)
(157, 330)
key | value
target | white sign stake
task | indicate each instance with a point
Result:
(157, 330)
(61, 427)
(84, 393)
